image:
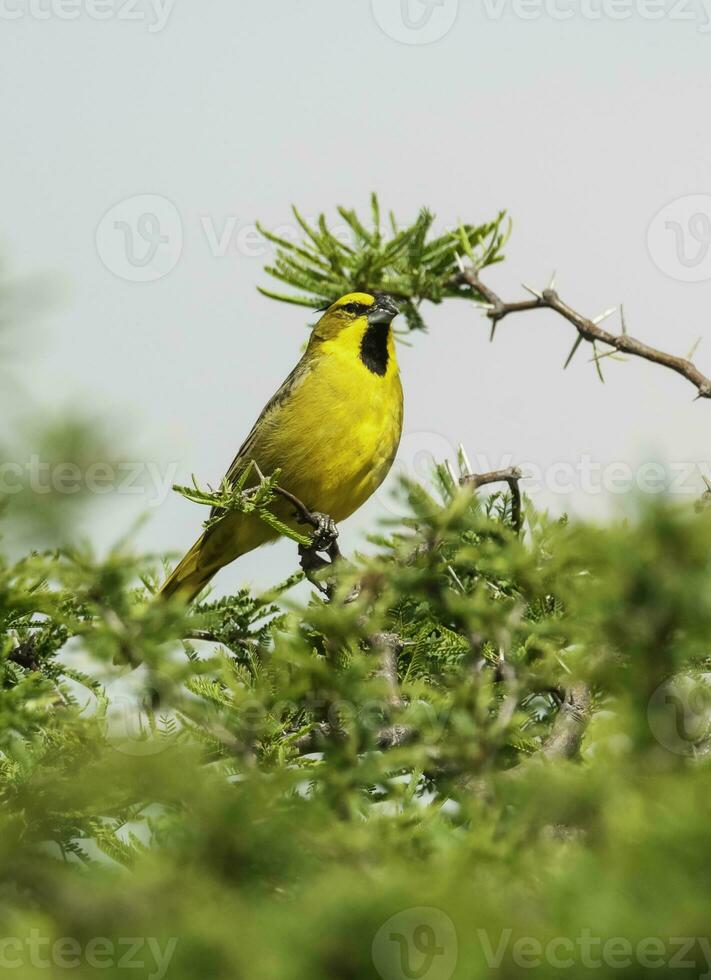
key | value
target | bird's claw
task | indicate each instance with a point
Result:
(325, 535)
(323, 539)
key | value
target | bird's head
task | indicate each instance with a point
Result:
(367, 309)
(361, 322)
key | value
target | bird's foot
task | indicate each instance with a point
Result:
(325, 534)
(324, 540)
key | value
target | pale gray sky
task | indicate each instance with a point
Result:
(583, 128)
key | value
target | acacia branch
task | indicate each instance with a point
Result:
(324, 539)
(588, 330)
(391, 737)
(303, 514)
(388, 646)
(570, 724)
(24, 654)
(511, 475)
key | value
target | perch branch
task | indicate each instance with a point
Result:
(304, 515)
(324, 539)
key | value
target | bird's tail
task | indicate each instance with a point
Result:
(188, 577)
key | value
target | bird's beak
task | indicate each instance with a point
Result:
(383, 310)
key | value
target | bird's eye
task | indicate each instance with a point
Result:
(357, 309)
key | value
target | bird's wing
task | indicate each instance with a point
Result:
(246, 452)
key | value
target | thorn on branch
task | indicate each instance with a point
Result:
(596, 359)
(578, 341)
(605, 315)
(588, 329)
(694, 348)
(532, 291)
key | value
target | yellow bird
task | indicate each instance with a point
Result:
(332, 429)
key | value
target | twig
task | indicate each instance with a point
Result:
(511, 475)
(325, 539)
(24, 654)
(389, 646)
(391, 737)
(313, 740)
(303, 513)
(204, 635)
(570, 724)
(395, 736)
(588, 329)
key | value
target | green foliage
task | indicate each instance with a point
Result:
(258, 815)
(251, 493)
(405, 262)
(289, 788)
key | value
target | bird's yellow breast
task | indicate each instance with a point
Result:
(336, 433)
